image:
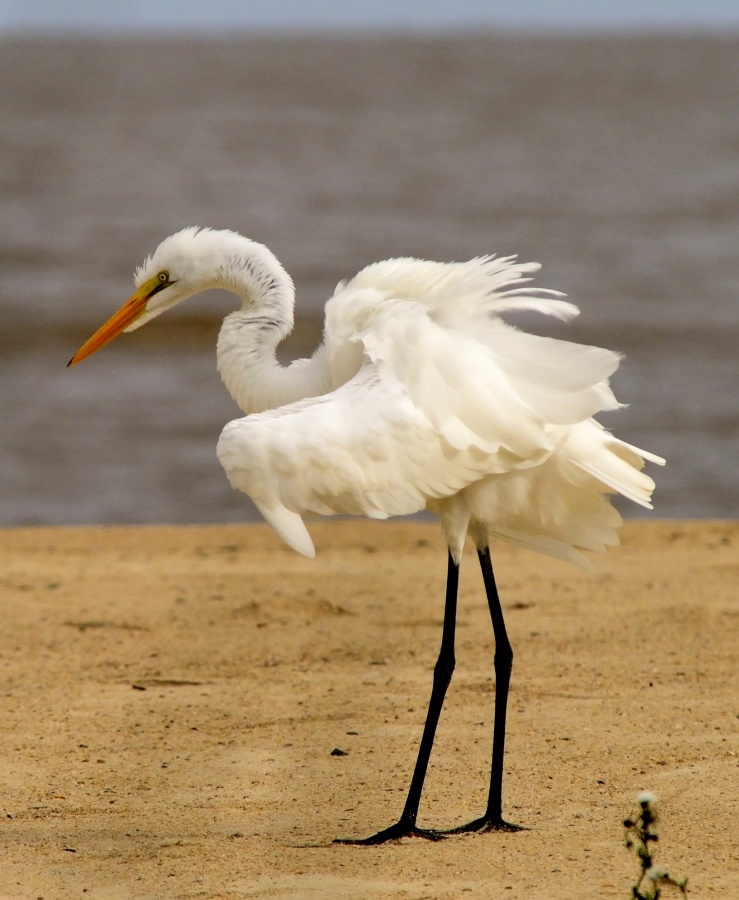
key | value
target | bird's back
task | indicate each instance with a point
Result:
(455, 295)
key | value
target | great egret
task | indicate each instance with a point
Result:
(420, 397)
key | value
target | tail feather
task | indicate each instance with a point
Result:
(617, 465)
(561, 506)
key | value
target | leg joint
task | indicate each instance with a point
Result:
(444, 669)
(503, 658)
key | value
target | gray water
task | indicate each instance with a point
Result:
(612, 161)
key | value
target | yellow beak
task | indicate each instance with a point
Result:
(126, 315)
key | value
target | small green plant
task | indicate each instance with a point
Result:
(641, 836)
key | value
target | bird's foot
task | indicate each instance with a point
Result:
(395, 832)
(483, 825)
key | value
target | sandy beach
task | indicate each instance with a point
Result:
(172, 697)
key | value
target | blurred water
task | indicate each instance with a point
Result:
(614, 162)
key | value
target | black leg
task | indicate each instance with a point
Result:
(406, 825)
(492, 820)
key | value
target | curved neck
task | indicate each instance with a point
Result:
(249, 337)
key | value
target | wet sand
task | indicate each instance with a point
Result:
(173, 697)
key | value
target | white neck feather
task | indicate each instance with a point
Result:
(249, 337)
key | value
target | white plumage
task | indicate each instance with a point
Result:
(420, 397)
(429, 400)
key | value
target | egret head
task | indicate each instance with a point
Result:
(185, 263)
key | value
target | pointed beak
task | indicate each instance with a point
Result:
(118, 322)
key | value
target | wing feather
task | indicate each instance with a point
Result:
(364, 449)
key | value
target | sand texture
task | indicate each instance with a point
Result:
(172, 697)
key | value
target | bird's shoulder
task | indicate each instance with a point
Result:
(394, 302)
(402, 288)
(450, 293)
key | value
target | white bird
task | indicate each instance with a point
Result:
(420, 397)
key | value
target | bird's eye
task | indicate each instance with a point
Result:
(163, 277)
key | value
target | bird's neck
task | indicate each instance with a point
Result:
(249, 337)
